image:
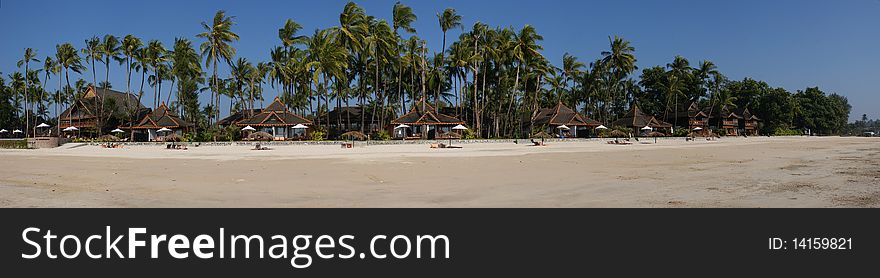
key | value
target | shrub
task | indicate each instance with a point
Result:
(13, 144)
(780, 131)
(681, 132)
(468, 134)
(382, 135)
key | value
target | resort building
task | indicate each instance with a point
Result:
(84, 113)
(635, 119)
(563, 121)
(727, 121)
(697, 119)
(423, 122)
(749, 122)
(158, 124)
(279, 122)
(238, 116)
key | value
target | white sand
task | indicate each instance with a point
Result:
(731, 172)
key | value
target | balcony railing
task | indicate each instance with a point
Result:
(729, 123)
(697, 122)
(751, 124)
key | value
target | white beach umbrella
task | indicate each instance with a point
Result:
(300, 126)
(563, 127)
(42, 125)
(601, 127)
(70, 128)
(164, 129)
(401, 126)
(16, 131)
(249, 128)
(647, 128)
(459, 127)
(3, 131)
(698, 128)
(117, 131)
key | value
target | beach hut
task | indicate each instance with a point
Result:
(82, 113)
(159, 122)
(278, 121)
(694, 117)
(635, 119)
(727, 120)
(749, 122)
(564, 121)
(423, 122)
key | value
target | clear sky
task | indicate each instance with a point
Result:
(792, 44)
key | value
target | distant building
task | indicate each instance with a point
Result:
(278, 121)
(146, 129)
(635, 119)
(117, 106)
(562, 116)
(423, 122)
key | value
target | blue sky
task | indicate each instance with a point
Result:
(792, 44)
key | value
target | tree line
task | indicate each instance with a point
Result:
(491, 77)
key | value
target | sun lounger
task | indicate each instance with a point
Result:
(347, 145)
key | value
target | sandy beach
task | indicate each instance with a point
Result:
(730, 172)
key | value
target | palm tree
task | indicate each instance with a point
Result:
(68, 58)
(327, 61)
(620, 61)
(29, 56)
(448, 19)
(402, 18)
(217, 46)
(111, 49)
(185, 64)
(156, 57)
(49, 67)
(92, 52)
(679, 71)
(570, 67)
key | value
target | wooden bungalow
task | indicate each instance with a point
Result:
(550, 119)
(635, 119)
(424, 122)
(277, 120)
(234, 118)
(694, 117)
(749, 122)
(727, 120)
(83, 113)
(147, 128)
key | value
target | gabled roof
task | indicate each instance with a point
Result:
(276, 114)
(636, 119)
(236, 117)
(159, 118)
(82, 107)
(423, 113)
(726, 113)
(562, 115)
(747, 115)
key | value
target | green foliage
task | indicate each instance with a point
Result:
(318, 135)
(721, 132)
(13, 144)
(468, 134)
(780, 131)
(680, 132)
(382, 135)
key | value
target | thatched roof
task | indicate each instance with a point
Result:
(276, 114)
(726, 112)
(236, 117)
(746, 114)
(423, 113)
(353, 135)
(635, 118)
(173, 138)
(656, 134)
(82, 107)
(618, 133)
(162, 117)
(562, 115)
